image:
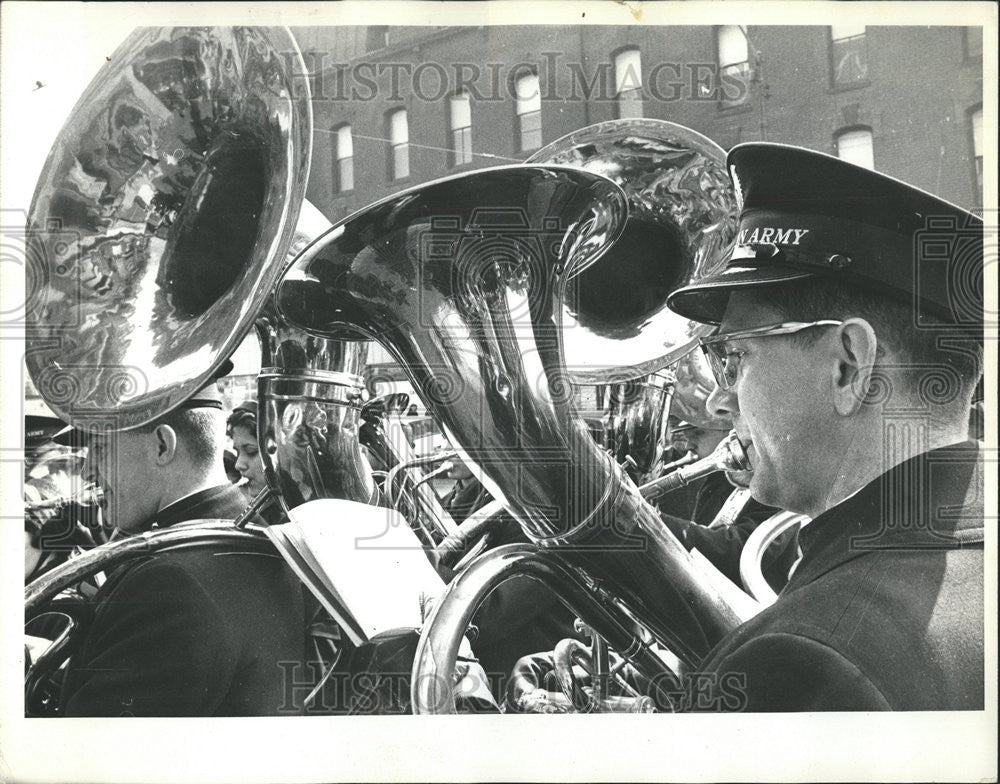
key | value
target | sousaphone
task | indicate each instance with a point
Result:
(157, 231)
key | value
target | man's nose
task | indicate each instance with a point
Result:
(723, 404)
(241, 464)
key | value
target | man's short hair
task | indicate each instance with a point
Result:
(946, 357)
(198, 431)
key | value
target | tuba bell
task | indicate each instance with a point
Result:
(169, 193)
(682, 212)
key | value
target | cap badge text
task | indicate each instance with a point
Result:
(771, 236)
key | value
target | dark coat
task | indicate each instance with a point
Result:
(467, 496)
(521, 616)
(883, 612)
(194, 632)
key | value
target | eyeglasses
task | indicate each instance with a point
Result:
(725, 363)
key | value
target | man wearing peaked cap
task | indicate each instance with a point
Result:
(849, 345)
(38, 430)
(179, 633)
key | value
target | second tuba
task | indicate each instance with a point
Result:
(682, 212)
(465, 282)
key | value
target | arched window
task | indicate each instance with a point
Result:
(855, 146)
(399, 142)
(529, 112)
(343, 153)
(848, 55)
(628, 83)
(734, 64)
(461, 129)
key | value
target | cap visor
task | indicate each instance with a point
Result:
(72, 436)
(706, 300)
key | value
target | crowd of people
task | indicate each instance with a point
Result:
(817, 363)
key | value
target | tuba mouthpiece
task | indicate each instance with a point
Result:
(729, 455)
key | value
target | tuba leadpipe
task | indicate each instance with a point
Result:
(729, 455)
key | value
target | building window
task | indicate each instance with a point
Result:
(376, 37)
(973, 43)
(848, 55)
(461, 129)
(399, 143)
(529, 112)
(734, 65)
(628, 83)
(344, 154)
(976, 120)
(855, 146)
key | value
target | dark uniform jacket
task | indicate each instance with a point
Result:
(467, 496)
(194, 632)
(723, 546)
(885, 609)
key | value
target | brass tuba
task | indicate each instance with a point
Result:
(169, 205)
(682, 212)
(157, 233)
(468, 282)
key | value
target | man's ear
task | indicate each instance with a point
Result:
(165, 444)
(854, 351)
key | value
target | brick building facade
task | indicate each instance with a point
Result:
(908, 94)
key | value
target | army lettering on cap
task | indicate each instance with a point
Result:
(38, 430)
(768, 235)
(806, 214)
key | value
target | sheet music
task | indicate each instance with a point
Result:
(347, 553)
